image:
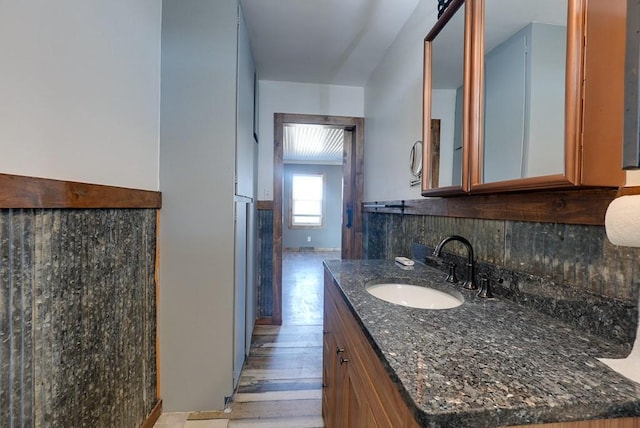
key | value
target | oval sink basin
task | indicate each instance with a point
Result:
(414, 296)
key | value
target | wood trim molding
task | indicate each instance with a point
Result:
(352, 246)
(264, 321)
(628, 191)
(278, 187)
(153, 416)
(30, 192)
(586, 207)
(265, 205)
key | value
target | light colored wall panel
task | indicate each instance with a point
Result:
(80, 87)
(393, 111)
(197, 168)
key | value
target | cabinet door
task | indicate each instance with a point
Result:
(329, 379)
(546, 115)
(335, 398)
(360, 413)
(549, 95)
(364, 394)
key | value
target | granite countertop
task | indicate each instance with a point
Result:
(487, 362)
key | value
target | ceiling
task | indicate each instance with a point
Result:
(337, 42)
(334, 42)
(312, 144)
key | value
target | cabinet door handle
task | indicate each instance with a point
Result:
(343, 360)
(339, 350)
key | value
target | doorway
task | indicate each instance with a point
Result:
(352, 191)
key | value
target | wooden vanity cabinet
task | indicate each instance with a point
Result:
(358, 393)
(357, 390)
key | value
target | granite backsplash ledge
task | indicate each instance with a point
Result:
(570, 272)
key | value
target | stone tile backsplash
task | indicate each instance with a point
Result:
(572, 255)
(570, 272)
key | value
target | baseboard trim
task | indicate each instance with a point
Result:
(153, 416)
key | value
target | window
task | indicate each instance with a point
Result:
(306, 209)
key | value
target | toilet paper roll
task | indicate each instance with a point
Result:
(622, 221)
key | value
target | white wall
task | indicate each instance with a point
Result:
(80, 85)
(393, 111)
(303, 98)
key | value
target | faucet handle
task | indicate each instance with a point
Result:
(452, 278)
(485, 287)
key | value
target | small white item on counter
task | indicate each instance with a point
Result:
(622, 221)
(404, 261)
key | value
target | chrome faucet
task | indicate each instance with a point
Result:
(470, 283)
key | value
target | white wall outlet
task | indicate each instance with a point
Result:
(308, 239)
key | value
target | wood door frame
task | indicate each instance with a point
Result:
(352, 191)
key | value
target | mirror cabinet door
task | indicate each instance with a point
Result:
(445, 101)
(523, 91)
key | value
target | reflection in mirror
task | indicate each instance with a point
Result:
(524, 89)
(445, 135)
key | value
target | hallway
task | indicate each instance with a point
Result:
(281, 381)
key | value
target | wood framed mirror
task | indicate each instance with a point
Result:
(447, 102)
(550, 88)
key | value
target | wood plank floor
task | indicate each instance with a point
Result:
(281, 382)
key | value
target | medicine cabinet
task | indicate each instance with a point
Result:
(541, 99)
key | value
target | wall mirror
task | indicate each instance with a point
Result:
(524, 63)
(445, 151)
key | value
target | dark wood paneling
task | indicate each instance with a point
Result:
(358, 191)
(569, 207)
(30, 192)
